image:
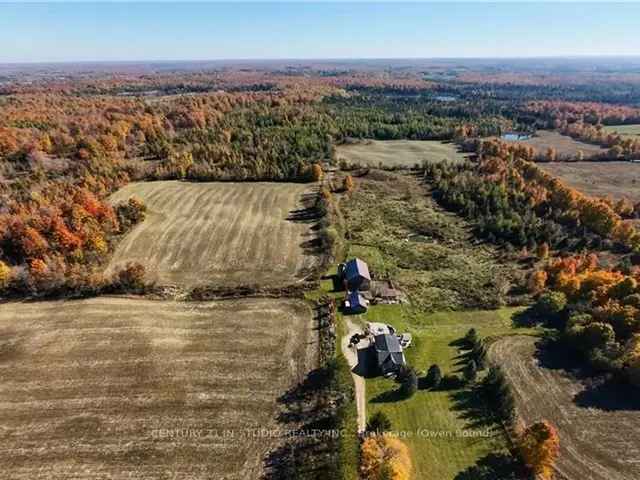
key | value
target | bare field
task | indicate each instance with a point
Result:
(398, 153)
(599, 431)
(599, 179)
(119, 388)
(565, 146)
(226, 234)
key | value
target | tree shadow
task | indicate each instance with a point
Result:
(609, 395)
(552, 354)
(304, 215)
(472, 409)
(495, 466)
(525, 318)
(458, 342)
(303, 410)
(312, 246)
(390, 396)
(366, 366)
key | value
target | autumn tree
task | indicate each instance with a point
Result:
(539, 446)
(316, 172)
(543, 251)
(537, 281)
(385, 455)
(131, 277)
(348, 184)
(5, 275)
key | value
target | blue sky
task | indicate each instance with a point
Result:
(207, 31)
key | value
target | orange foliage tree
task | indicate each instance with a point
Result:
(539, 446)
(385, 455)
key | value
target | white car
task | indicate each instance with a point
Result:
(374, 328)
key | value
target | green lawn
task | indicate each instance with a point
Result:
(436, 420)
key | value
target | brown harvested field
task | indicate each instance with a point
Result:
(398, 153)
(130, 388)
(599, 179)
(223, 234)
(598, 427)
(565, 146)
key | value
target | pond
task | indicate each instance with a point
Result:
(446, 98)
(417, 237)
(515, 136)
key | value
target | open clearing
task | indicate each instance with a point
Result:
(565, 146)
(398, 153)
(121, 388)
(624, 130)
(599, 435)
(404, 235)
(223, 234)
(599, 179)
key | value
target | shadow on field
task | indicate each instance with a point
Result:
(608, 395)
(300, 455)
(388, 397)
(472, 409)
(552, 354)
(495, 466)
(308, 213)
(600, 391)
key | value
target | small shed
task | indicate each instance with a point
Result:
(389, 354)
(356, 275)
(355, 303)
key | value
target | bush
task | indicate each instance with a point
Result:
(408, 380)
(551, 304)
(433, 378)
(131, 213)
(130, 278)
(378, 423)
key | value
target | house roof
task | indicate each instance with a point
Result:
(356, 299)
(387, 343)
(356, 268)
(388, 352)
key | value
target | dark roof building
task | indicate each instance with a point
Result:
(356, 275)
(389, 354)
(355, 303)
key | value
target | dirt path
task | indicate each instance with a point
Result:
(599, 428)
(351, 354)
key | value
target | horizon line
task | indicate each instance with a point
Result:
(327, 59)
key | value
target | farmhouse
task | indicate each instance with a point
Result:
(389, 354)
(355, 274)
(355, 303)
